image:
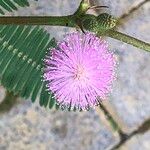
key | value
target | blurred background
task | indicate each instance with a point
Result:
(124, 120)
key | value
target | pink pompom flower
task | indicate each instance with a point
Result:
(80, 70)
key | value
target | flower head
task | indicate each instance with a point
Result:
(80, 70)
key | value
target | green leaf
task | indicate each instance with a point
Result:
(10, 5)
(22, 50)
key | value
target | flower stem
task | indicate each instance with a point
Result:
(128, 39)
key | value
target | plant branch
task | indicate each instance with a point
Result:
(38, 20)
(128, 39)
(71, 21)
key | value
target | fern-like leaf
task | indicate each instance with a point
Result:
(10, 5)
(22, 49)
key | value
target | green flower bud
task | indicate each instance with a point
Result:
(106, 21)
(90, 23)
(98, 24)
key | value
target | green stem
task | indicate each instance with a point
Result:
(38, 20)
(111, 120)
(71, 21)
(128, 39)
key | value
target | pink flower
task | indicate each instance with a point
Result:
(80, 70)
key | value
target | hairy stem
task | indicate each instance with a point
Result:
(37, 20)
(128, 39)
